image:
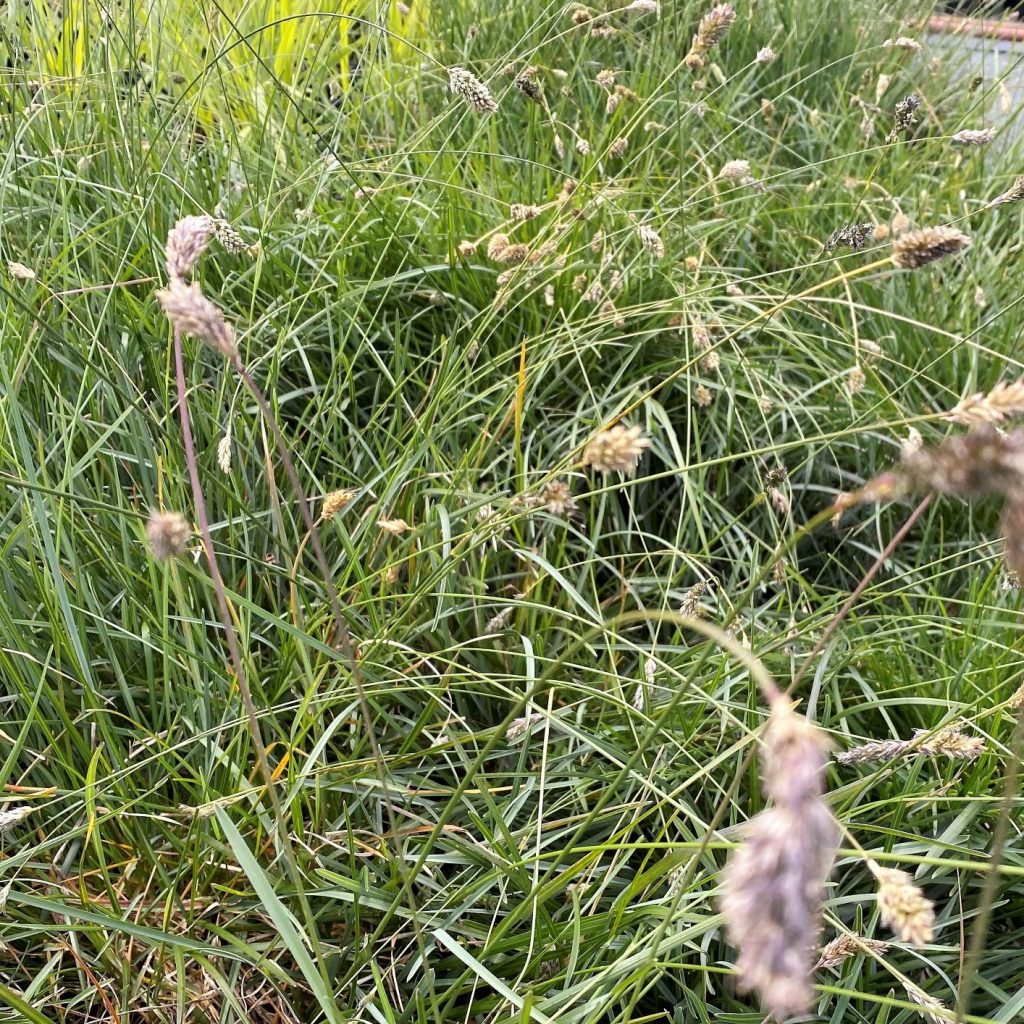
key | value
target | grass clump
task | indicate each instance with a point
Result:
(423, 429)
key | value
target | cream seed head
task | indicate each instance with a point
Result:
(521, 726)
(845, 946)
(513, 254)
(974, 136)
(224, 451)
(335, 501)
(232, 241)
(557, 498)
(168, 534)
(186, 242)
(19, 271)
(523, 211)
(903, 908)
(929, 1004)
(711, 30)
(1004, 401)
(616, 450)
(651, 241)
(901, 224)
(192, 313)
(1014, 194)
(468, 87)
(645, 7)
(11, 816)
(496, 246)
(691, 606)
(618, 148)
(902, 43)
(917, 248)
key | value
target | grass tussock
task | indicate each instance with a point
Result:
(450, 453)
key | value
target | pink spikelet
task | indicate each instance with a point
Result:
(774, 886)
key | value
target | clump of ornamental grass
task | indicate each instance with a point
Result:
(710, 32)
(773, 888)
(616, 450)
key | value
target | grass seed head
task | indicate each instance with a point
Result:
(11, 816)
(335, 501)
(186, 242)
(1014, 194)
(928, 1003)
(468, 87)
(845, 946)
(616, 450)
(521, 726)
(1004, 401)
(192, 313)
(774, 885)
(974, 136)
(557, 498)
(233, 242)
(618, 148)
(168, 534)
(523, 211)
(710, 32)
(224, 451)
(645, 7)
(852, 236)
(903, 907)
(917, 248)
(691, 606)
(496, 246)
(651, 241)
(19, 271)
